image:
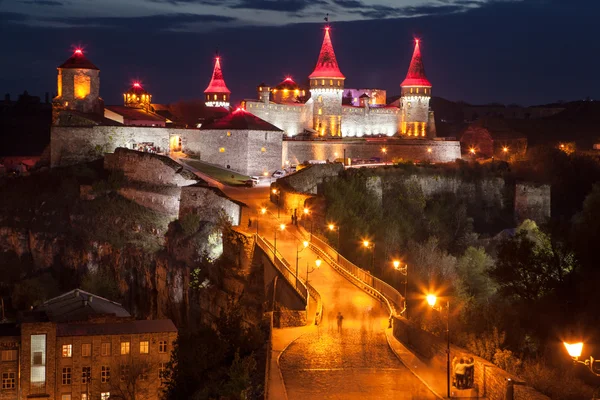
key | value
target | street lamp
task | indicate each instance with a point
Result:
(317, 265)
(431, 300)
(263, 211)
(370, 245)
(298, 251)
(334, 228)
(282, 228)
(574, 350)
(307, 213)
(384, 151)
(403, 271)
(278, 194)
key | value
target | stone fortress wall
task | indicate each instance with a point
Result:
(360, 121)
(291, 118)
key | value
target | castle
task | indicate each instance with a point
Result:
(286, 125)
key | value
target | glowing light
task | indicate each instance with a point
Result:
(239, 109)
(505, 149)
(331, 227)
(431, 299)
(472, 150)
(222, 150)
(366, 243)
(306, 211)
(263, 210)
(289, 79)
(396, 264)
(137, 85)
(305, 244)
(327, 28)
(574, 349)
(265, 173)
(274, 191)
(282, 227)
(318, 262)
(79, 52)
(429, 149)
(383, 150)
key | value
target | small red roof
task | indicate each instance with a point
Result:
(241, 119)
(78, 60)
(217, 83)
(137, 88)
(327, 66)
(287, 83)
(416, 70)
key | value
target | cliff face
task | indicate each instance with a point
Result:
(149, 257)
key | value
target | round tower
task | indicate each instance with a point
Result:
(217, 93)
(78, 87)
(416, 94)
(326, 89)
(264, 93)
(287, 91)
(137, 97)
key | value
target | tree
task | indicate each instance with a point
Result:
(474, 283)
(101, 283)
(432, 264)
(133, 381)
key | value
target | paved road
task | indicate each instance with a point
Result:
(353, 363)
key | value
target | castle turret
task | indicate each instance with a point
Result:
(137, 97)
(264, 93)
(217, 94)
(416, 93)
(78, 87)
(287, 91)
(327, 88)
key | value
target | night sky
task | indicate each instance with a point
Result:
(525, 52)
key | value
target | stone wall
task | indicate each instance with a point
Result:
(208, 202)
(291, 118)
(360, 121)
(298, 151)
(307, 179)
(490, 381)
(327, 111)
(164, 200)
(532, 202)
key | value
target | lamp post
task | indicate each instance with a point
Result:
(574, 350)
(278, 194)
(282, 228)
(318, 262)
(263, 211)
(505, 151)
(432, 299)
(403, 271)
(334, 228)
(307, 214)
(298, 251)
(384, 151)
(370, 245)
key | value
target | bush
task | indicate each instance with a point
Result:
(190, 224)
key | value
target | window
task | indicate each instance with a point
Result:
(224, 98)
(65, 397)
(124, 348)
(105, 374)
(322, 82)
(38, 363)
(104, 395)
(84, 396)
(222, 150)
(320, 111)
(67, 350)
(86, 350)
(86, 374)
(417, 90)
(162, 346)
(320, 99)
(105, 349)
(144, 347)
(66, 376)
(124, 372)
(215, 97)
(331, 82)
(162, 368)
(8, 380)
(9, 355)
(262, 149)
(228, 133)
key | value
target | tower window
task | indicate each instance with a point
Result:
(222, 150)
(228, 133)
(331, 82)
(262, 149)
(215, 97)
(322, 82)
(411, 90)
(417, 90)
(339, 83)
(320, 99)
(320, 111)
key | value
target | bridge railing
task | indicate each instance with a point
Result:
(393, 299)
(283, 266)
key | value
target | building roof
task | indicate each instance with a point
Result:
(287, 83)
(136, 88)
(327, 66)
(240, 119)
(416, 70)
(78, 305)
(116, 328)
(78, 60)
(138, 114)
(364, 96)
(217, 83)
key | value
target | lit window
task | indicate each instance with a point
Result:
(215, 97)
(66, 376)
(104, 395)
(224, 97)
(322, 82)
(105, 349)
(105, 374)
(124, 372)
(65, 397)
(38, 363)
(320, 111)
(331, 82)
(162, 346)
(86, 374)
(417, 90)
(411, 90)
(228, 133)
(86, 349)
(320, 99)
(8, 380)
(67, 350)
(124, 348)
(144, 347)
(222, 150)
(9, 355)
(339, 83)
(262, 149)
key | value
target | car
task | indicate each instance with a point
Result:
(249, 183)
(255, 179)
(278, 174)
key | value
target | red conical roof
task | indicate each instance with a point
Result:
(416, 71)
(327, 66)
(217, 83)
(78, 60)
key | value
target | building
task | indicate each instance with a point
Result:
(79, 346)
(217, 93)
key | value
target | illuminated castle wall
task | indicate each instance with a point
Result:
(367, 114)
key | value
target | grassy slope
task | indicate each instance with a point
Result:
(224, 176)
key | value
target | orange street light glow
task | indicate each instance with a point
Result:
(318, 262)
(396, 264)
(282, 227)
(306, 211)
(574, 349)
(383, 150)
(263, 210)
(505, 149)
(305, 243)
(472, 150)
(331, 227)
(431, 299)
(429, 150)
(274, 191)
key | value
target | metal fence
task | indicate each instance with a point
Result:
(283, 266)
(394, 299)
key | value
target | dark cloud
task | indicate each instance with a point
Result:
(44, 2)
(200, 2)
(349, 3)
(13, 17)
(277, 5)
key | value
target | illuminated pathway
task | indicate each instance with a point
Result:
(356, 363)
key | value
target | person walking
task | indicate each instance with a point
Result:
(339, 318)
